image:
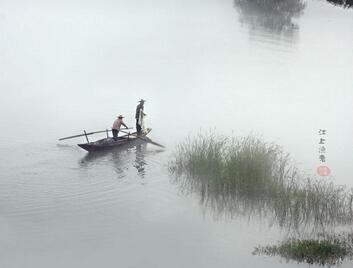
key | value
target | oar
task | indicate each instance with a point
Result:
(146, 140)
(90, 133)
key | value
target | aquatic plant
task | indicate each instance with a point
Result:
(328, 251)
(249, 176)
(342, 3)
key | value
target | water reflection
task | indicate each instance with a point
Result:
(275, 16)
(293, 213)
(115, 158)
(120, 159)
(248, 176)
(140, 162)
(343, 3)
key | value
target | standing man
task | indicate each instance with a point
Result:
(116, 126)
(139, 116)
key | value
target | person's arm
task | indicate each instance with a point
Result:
(124, 124)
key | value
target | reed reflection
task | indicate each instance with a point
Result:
(247, 176)
(275, 16)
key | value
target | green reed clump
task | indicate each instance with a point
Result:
(248, 175)
(329, 251)
(241, 166)
(200, 156)
(252, 166)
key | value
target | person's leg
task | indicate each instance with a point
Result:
(138, 127)
(115, 134)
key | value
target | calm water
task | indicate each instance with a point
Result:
(236, 68)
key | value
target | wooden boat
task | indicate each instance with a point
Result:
(110, 143)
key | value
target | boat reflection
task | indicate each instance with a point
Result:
(140, 162)
(270, 15)
(121, 159)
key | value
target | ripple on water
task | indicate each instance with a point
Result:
(67, 183)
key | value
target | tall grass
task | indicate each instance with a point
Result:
(250, 176)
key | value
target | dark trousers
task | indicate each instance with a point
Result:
(138, 127)
(115, 133)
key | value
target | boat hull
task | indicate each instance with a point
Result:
(111, 143)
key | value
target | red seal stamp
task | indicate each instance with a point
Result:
(323, 171)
